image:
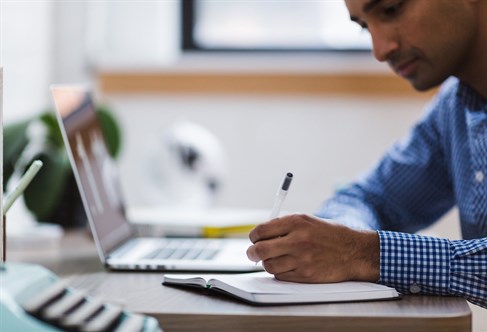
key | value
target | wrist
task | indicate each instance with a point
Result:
(367, 257)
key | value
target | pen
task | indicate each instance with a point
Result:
(23, 183)
(281, 195)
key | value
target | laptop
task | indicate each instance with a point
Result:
(116, 239)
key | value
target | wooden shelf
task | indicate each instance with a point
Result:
(381, 84)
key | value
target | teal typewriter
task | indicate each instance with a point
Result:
(33, 299)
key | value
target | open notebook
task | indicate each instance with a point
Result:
(263, 288)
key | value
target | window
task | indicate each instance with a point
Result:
(253, 25)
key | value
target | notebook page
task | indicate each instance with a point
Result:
(265, 283)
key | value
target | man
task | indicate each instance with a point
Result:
(442, 163)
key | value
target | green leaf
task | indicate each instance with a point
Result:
(111, 130)
(46, 189)
(14, 142)
(53, 132)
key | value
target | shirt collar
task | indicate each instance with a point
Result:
(471, 98)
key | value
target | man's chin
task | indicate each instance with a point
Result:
(423, 86)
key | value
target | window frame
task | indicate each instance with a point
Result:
(188, 43)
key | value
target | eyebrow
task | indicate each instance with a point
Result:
(370, 5)
(367, 8)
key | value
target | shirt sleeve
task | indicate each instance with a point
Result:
(408, 190)
(415, 264)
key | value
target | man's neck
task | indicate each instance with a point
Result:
(476, 77)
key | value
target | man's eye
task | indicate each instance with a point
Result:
(389, 11)
(393, 9)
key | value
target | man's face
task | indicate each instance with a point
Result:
(423, 41)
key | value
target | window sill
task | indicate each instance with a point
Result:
(259, 73)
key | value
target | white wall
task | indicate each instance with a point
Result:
(26, 40)
(323, 140)
(68, 52)
(44, 42)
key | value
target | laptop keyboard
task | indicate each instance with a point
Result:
(186, 250)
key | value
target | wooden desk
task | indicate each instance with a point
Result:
(179, 309)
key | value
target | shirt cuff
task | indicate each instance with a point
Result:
(414, 264)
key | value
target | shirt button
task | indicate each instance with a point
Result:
(415, 289)
(479, 176)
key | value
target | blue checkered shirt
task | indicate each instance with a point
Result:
(442, 163)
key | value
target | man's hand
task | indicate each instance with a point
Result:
(303, 248)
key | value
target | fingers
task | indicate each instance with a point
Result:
(279, 226)
(280, 264)
(293, 276)
(267, 249)
(296, 269)
(271, 229)
(274, 238)
(288, 276)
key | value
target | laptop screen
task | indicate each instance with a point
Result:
(95, 171)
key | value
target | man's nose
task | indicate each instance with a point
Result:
(384, 44)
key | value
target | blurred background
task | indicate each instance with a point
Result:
(273, 86)
(283, 86)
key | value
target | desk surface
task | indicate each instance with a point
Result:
(187, 309)
(179, 309)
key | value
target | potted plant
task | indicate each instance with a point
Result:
(53, 195)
